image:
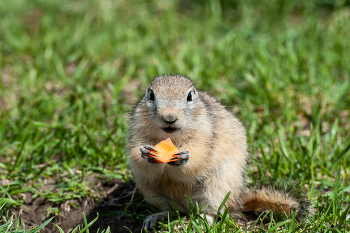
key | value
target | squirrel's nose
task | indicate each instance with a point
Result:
(170, 118)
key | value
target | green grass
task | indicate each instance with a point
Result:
(281, 66)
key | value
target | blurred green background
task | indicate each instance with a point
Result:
(71, 70)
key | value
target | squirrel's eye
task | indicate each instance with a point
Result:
(151, 96)
(189, 96)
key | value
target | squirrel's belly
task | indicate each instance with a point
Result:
(173, 189)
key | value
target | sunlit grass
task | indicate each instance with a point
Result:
(70, 70)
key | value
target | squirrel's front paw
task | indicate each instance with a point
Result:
(181, 158)
(147, 153)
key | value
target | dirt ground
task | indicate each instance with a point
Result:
(109, 209)
(120, 208)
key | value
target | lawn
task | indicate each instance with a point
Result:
(72, 70)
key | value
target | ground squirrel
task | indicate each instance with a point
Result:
(212, 158)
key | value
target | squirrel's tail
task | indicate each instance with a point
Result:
(280, 197)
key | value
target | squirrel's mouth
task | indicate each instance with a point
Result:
(170, 129)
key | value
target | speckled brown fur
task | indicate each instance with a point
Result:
(216, 142)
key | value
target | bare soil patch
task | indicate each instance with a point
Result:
(121, 207)
(109, 208)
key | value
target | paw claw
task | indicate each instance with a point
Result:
(150, 148)
(147, 153)
(182, 158)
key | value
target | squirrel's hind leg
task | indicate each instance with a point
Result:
(210, 218)
(151, 220)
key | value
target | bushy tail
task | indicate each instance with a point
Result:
(280, 197)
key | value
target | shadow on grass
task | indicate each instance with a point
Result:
(120, 210)
(121, 207)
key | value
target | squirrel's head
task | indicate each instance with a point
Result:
(173, 106)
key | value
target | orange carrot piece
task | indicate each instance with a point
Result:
(165, 151)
